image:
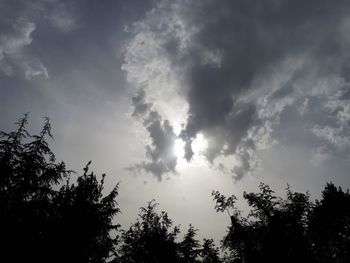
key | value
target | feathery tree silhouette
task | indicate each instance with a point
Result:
(44, 217)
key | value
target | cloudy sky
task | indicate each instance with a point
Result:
(176, 98)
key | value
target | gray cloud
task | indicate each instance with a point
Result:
(12, 45)
(240, 66)
(62, 16)
(141, 107)
(160, 151)
(17, 34)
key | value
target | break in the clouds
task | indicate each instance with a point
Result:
(249, 74)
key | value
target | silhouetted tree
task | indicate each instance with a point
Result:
(329, 226)
(236, 239)
(288, 230)
(189, 247)
(279, 226)
(44, 217)
(84, 219)
(209, 252)
(151, 239)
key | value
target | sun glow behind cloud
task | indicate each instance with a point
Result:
(179, 148)
(199, 145)
(191, 84)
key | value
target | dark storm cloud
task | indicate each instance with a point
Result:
(253, 38)
(241, 64)
(160, 152)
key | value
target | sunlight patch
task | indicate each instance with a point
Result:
(199, 144)
(179, 148)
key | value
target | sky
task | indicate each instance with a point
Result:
(176, 98)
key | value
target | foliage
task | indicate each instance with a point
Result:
(189, 247)
(209, 252)
(289, 230)
(329, 226)
(223, 203)
(44, 217)
(151, 239)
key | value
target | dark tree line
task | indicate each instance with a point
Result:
(294, 229)
(45, 216)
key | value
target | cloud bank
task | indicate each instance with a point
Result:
(245, 71)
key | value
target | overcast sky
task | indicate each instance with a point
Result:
(181, 97)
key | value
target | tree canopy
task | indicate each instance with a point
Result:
(45, 216)
(288, 230)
